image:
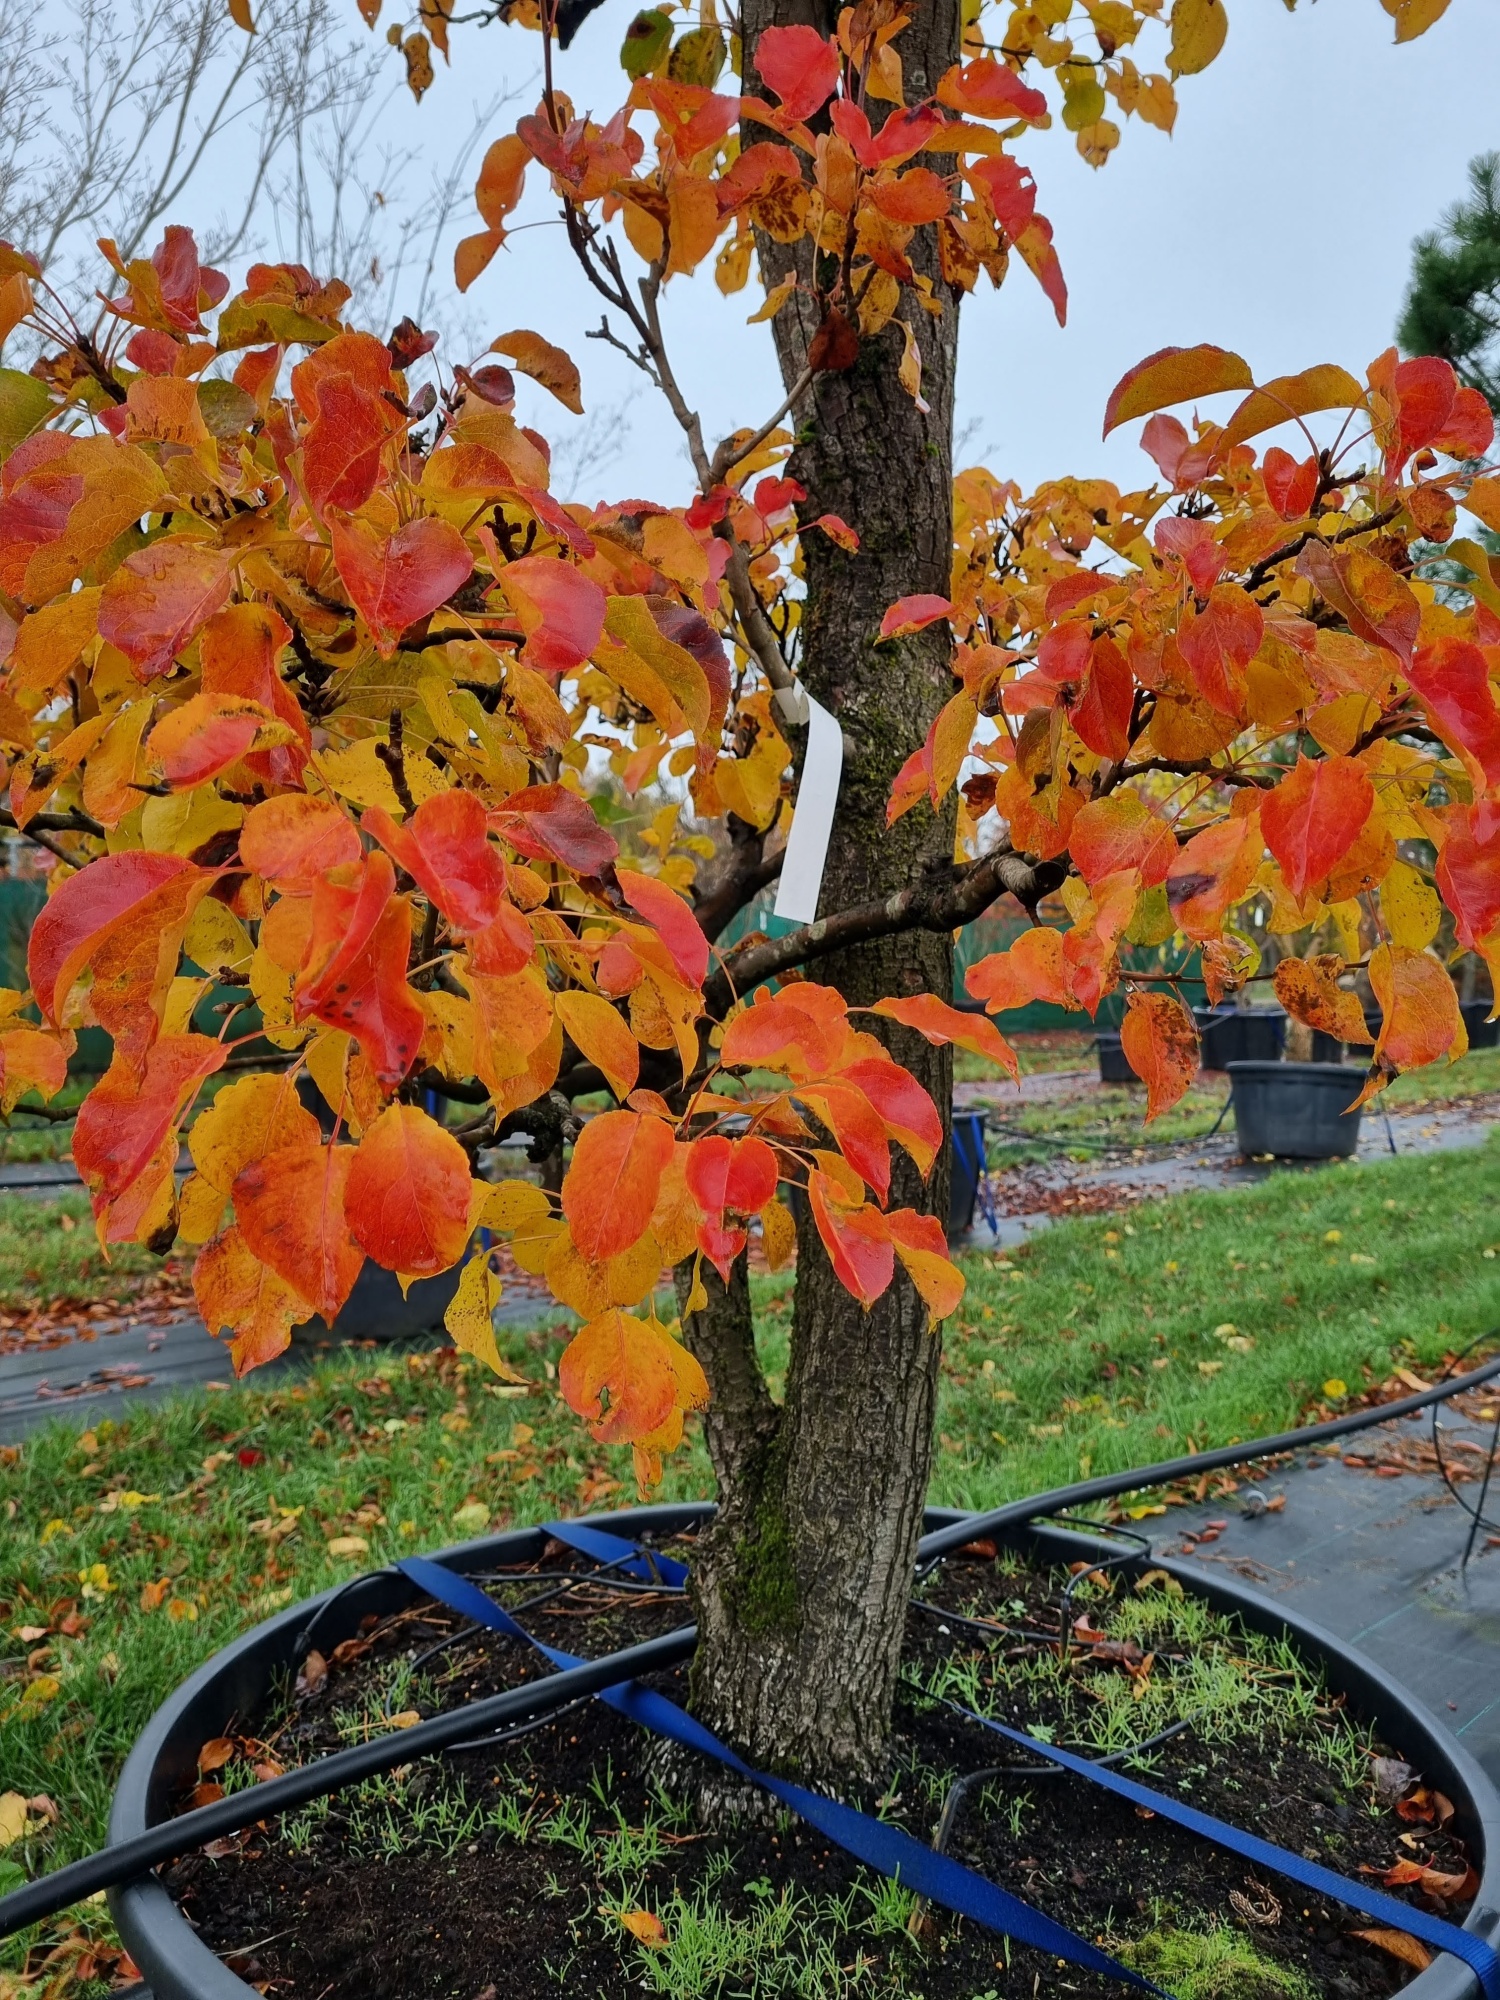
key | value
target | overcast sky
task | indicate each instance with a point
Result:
(1277, 219)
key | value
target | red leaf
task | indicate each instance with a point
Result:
(85, 910)
(341, 448)
(1195, 544)
(738, 1175)
(371, 1000)
(1314, 816)
(1422, 391)
(857, 1239)
(159, 597)
(560, 609)
(1468, 871)
(909, 1114)
(1219, 642)
(206, 734)
(672, 920)
(550, 823)
(407, 1198)
(912, 614)
(800, 66)
(445, 848)
(985, 88)
(346, 907)
(297, 839)
(1451, 679)
(612, 1183)
(129, 1113)
(394, 581)
(1470, 427)
(1101, 714)
(802, 1031)
(939, 1023)
(1290, 486)
(1160, 1042)
(290, 1209)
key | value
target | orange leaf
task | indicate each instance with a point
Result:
(802, 1030)
(290, 1208)
(407, 1197)
(601, 1038)
(297, 839)
(31, 1059)
(1308, 988)
(1212, 873)
(1160, 1042)
(671, 918)
(208, 733)
(125, 1119)
(1379, 605)
(646, 1374)
(157, 599)
(1398, 1944)
(1314, 817)
(1451, 679)
(1325, 387)
(613, 1181)
(939, 1024)
(341, 447)
(858, 1128)
(1121, 831)
(234, 1290)
(445, 848)
(912, 614)
(544, 363)
(644, 1924)
(1419, 1006)
(922, 1246)
(394, 581)
(1174, 375)
(857, 1239)
(1030, 969)
(252, 1117)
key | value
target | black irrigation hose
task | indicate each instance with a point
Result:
(174, 1837)
(1110, 1485)
(456, 1729)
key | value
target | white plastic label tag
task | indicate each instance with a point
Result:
(812, 821)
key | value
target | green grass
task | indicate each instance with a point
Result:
(49, 1253)
(1101, 1345)
(1219, 1963)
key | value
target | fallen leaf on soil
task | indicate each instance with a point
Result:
(1400, 1944)
(215, 1754)
(645, 1925)
(314, 1673)
(1431, 1881)
(1392, 1776)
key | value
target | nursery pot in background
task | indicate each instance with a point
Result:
(1298, 1111)
(1113, 1067)
(1231, 1035)
(1483, 1032)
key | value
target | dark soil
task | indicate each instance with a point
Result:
(407, 1890)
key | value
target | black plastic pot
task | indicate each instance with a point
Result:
(232, 1689)
(1483, 1032)
(1326, 1048)
(1113, 1067)
(375, 1309)
(1231, 1035)
(1298, 1111)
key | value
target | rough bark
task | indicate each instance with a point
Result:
(802, 1587)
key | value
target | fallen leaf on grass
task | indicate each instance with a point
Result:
(348, 1545)
(12, 1818)
(1400, 1944)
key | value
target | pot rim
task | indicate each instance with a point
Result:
(177, 1965)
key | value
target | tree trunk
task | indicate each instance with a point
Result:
(801, 1589)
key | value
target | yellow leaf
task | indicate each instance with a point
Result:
(508, 1205)
(544, 363)
(216, 940)
(348, 1545)
(1414, 17)
(182, 1611)
(469, 1318)
(1198, 31)
(602, 1038)
(910, 370)
(357, 773)
(38, 1693)
(778, 1234)
(774, 300)
(1410, 906)
(12, 1818)
(1335, 1387)
(200, 1209)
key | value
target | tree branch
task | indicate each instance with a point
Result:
(936, 904)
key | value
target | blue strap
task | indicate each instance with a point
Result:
(616, 1553)
(884, 1848)
(1436, 1931)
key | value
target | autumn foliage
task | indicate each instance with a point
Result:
(311, 680)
